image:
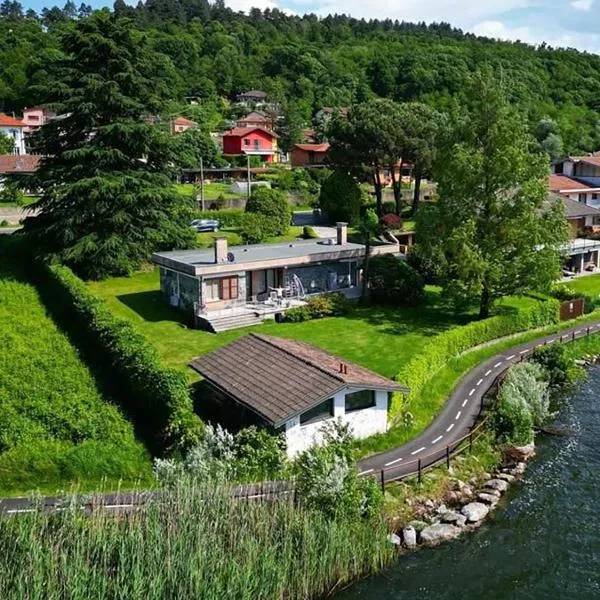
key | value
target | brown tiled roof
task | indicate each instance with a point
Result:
(14, 163)
(313, 147)
(576, 210)
(279, 378)
(182, 121)
(591, 160)
(562, 183)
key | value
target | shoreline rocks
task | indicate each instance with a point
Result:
(464, 507)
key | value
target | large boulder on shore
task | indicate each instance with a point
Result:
(488, 498)
(497, 484)
(434, 534)
(521, 453)
(475, 511)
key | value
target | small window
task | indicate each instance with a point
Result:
(318, 413)
(582, 198)
(595, 196)
(246, 142)
(229, 288)
(360, 400)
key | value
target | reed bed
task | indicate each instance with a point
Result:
(192, 543)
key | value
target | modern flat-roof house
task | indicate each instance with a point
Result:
(252, 141)
(296, 388)
(224, 287)
(582, 253)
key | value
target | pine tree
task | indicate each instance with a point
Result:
(107, 199)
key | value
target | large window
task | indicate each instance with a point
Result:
(221, 289)
(360, 400)
(318, 413)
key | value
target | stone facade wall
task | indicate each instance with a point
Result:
(364, 423)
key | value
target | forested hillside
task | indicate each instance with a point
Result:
(210, 52)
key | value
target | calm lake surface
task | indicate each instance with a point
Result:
(543, 544)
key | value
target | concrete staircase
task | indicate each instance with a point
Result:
(224, 323)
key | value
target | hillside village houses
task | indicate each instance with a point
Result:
(578, 178)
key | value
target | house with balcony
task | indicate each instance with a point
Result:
(582, 253)
(257, 119)
(295, 388)
(228, 287)
(252, 98)
(251, 141)
(577, 178)
(14, 129)
(36, 116)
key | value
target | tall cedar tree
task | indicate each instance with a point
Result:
(494, 226)
(107, 199)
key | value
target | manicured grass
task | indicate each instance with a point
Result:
(212, 191)
(589, 284)
(206, 240)
(56, 427)
(381, 339)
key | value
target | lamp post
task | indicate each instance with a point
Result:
(201, 184)
(249, 176)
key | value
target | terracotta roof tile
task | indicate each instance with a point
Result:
(559, 183)
(313, 147)
(13, 163)
(244, 131)
(6, 121)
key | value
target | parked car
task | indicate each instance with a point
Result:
(202, 225)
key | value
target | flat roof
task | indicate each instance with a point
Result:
(200, 261)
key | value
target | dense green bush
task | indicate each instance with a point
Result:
(308, 233)
(429, 266)
(418, 372)
(340, 198)
(158, 397)
(393, 281)
(272, 204)
(230, 217)
(332, 304)
(559, 365)
(562, 292)
(257, 228)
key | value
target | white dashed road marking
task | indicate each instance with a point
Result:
(450, 427)
(480, 382)
(365, 472)
(510, 357)
(417, 451)
(437, 439)
(472, 392)
(498, 365)
(524, 351)
(488, 372)
(458, 415)
(393, 462)
(465, 402)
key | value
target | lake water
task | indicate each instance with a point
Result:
(544, 543)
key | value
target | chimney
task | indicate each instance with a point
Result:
(220, 250)
(342, 233)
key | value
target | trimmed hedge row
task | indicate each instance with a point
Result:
(229, 217)
(159, 398)
(419, 371)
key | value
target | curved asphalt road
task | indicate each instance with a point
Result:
(456, 420)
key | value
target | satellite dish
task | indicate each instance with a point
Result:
(230, 257)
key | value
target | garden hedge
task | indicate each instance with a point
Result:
(419, 371)
(158, 397)
(229, 217)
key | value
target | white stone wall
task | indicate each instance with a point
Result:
(363, 423)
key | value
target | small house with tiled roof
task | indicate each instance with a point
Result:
(180, 125)
(310, 155)
(296, 388)
(578, 178)
(15, 130)
(257, 119)
(251, 141)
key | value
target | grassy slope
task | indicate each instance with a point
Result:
(55, 426)
(207, 239)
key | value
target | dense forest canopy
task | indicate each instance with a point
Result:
(305, 62)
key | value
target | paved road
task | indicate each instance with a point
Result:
(454, 422)
(460, 412)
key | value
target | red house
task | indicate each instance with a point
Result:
(253, 141)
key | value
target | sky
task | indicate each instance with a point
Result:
(567, 23)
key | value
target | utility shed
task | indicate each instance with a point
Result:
(295, 387)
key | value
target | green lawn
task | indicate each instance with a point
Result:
(589, 284)
(381, 339)
(206, 240)
(212, 191)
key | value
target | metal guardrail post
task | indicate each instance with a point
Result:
(471, 441)
(448, 457)
(382, 481)
(419, 467)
